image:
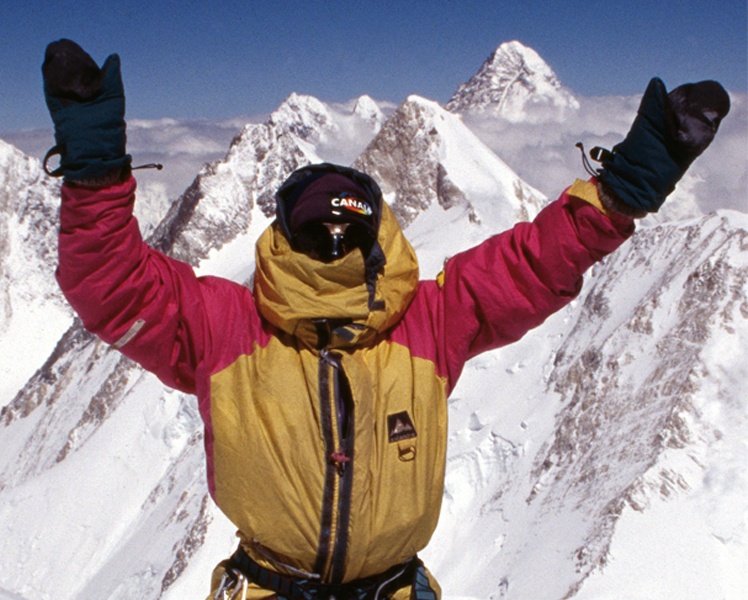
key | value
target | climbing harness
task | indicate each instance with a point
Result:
(242, 570)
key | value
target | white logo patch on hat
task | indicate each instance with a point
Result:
(352, 204)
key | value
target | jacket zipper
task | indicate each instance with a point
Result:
(337, 419)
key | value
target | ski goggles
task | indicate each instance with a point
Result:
(327, 242)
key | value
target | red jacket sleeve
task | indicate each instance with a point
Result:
(151, 307)
(494, 293)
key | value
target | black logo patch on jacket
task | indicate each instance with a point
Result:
(400, 427)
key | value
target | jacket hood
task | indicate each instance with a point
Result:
(342, 303)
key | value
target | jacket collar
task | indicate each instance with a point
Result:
(297, 293)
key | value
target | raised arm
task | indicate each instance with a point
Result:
(134, 298)
(152, 308)
(493, 294)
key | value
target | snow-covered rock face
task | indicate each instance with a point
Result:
(425, 154)
(28, 206)
(516, 84)
(33, 314)
(229, 194)
(604, 437)
(636, 377)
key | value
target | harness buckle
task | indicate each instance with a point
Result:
(233, 582)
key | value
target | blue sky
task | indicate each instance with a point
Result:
(216, 60)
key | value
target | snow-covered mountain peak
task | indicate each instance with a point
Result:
(369, 111)
(233, 199)
(427, 161)
(517, 84)
(303, 116)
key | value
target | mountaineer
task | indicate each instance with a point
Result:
(323, 390)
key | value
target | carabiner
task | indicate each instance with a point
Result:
(231, 579)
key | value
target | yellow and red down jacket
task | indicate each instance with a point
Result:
(343, 500)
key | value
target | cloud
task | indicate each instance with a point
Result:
(723, 168)
(544, 153)
(182, 146)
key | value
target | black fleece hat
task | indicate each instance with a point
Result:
(300, 180)
(331, 198)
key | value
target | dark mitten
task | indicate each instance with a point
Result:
(669, 132)
(87, 105)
